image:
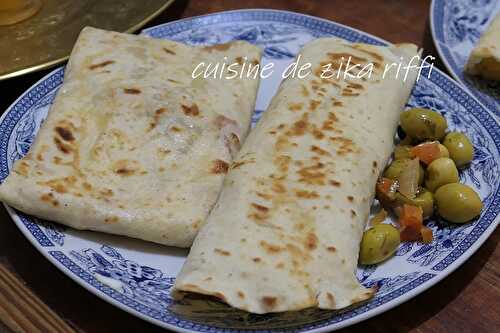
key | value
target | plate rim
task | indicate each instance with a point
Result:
(438, 275)
(450, 69)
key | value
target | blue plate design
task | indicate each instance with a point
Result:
(456, 26)
(137, 276)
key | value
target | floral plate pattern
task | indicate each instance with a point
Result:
(137, 276)
(456, 26)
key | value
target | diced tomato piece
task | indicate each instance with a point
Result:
(426, 152)
(427, 236)
(409, 234)
(411, 221)
(411, 216)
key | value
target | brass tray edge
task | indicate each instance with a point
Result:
(52, 63)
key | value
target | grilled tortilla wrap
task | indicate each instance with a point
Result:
(285, 232)
(133, 145)
(484, 59)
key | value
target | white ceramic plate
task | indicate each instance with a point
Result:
(456, 26)
(136, 276)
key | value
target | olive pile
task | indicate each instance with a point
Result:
(423, 175)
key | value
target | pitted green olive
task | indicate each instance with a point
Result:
(378, 244)
(401, 152)
(440, 172)
(423, 124)
(460, 148)
(458, 203)
(424, 199)
(443, 151)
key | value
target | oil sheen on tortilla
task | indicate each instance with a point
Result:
(285, 232)
(133, 145)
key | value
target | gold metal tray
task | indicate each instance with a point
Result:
(47, 38)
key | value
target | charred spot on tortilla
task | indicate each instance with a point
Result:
(49, 198)
(239, 60)
(190, 110)
(132, 91)
(65, 133)
(331, 248)
(64, 148)
(102, 64)
(317, 150)
(318, 134)
(156, 117)
(346, 92)
(126, 167)
(222, 252)
(304, 194)
(313, 104)
(269, 302)
(219, 166)
(22, 168)
(311, 241)
(270, 248)
(373, 54)
(111, 219)
(168, 51)
(350, 198)
(337, 103)
(353, 85)
(304, 91)
(264, 195)
(196, 224)
(218, 47)
(260, 207)
(299, 128)
(295, 106)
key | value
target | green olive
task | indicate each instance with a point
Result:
(440, 172)
(460, 148)
(423, 124)
(458, 203)
(443, 151)
(378, 243)
(424, 199)
(401, 152)
(397, 166)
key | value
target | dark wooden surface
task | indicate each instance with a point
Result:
(466, 301)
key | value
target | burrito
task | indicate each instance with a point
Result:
(134, 145)
(484, 59)
(285, 232)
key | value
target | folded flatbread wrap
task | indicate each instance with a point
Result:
(484, 59)
(133, 145)
(285, 232)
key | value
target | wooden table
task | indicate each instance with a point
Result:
(466, 301)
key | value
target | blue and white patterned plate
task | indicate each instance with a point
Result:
(136, 276)
(456, 26)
